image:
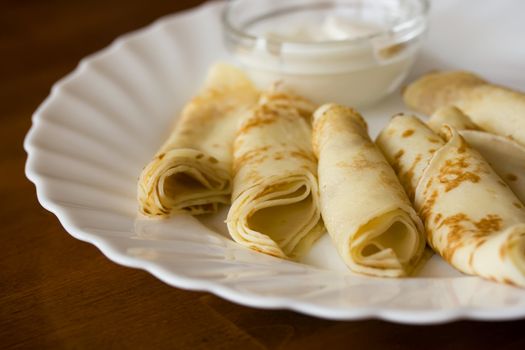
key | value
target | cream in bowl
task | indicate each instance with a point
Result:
(346, 51)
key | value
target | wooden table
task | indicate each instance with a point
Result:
(58, 292)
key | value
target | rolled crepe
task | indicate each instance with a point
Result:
(275, 200)
(472, 218)
(504, 155)
(364, 207)
(192, 170)
(494, 108)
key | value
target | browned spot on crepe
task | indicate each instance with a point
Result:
(512, 177)
(408, 133)
(453, 173)
(480, 243)
(389, 179)
(261, 116)
(455, 233)
(437, 218)
(461, 229)
(428, 205)
(213, 160)
(427, 186)
(395, 162)
(490, 223)
(503, 252)
(199, 156)
(518, 205)
(253, 176)
(508, 281)
(360, 162)
(160, 156)
(252, 156)
(433, 140)
(283, 100)
(406, 178)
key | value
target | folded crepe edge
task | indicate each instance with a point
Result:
(237, 219)
(407, 217)
(150, 183)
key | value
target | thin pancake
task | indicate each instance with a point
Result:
(275, 201)
(472, 218)
(192, 170)
(493, 108)
(504, 155)
(364, 207)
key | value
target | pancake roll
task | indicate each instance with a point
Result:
(275, 200)
(365, 209)
(471, 216)
(191, 172)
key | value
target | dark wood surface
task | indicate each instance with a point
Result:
(57, 292)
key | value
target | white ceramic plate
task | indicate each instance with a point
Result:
(103, 122)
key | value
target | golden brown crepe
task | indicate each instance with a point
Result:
(275, 200)
(504, 155)
(364, 207)
(192, 170)
(493, 108)
(472, 218)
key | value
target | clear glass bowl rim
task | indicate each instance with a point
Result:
(392, 31)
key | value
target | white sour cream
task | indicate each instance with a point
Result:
(332, 28)
(333, 60)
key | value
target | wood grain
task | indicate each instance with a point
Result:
(58, 292)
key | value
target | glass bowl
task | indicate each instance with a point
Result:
(353, 52)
